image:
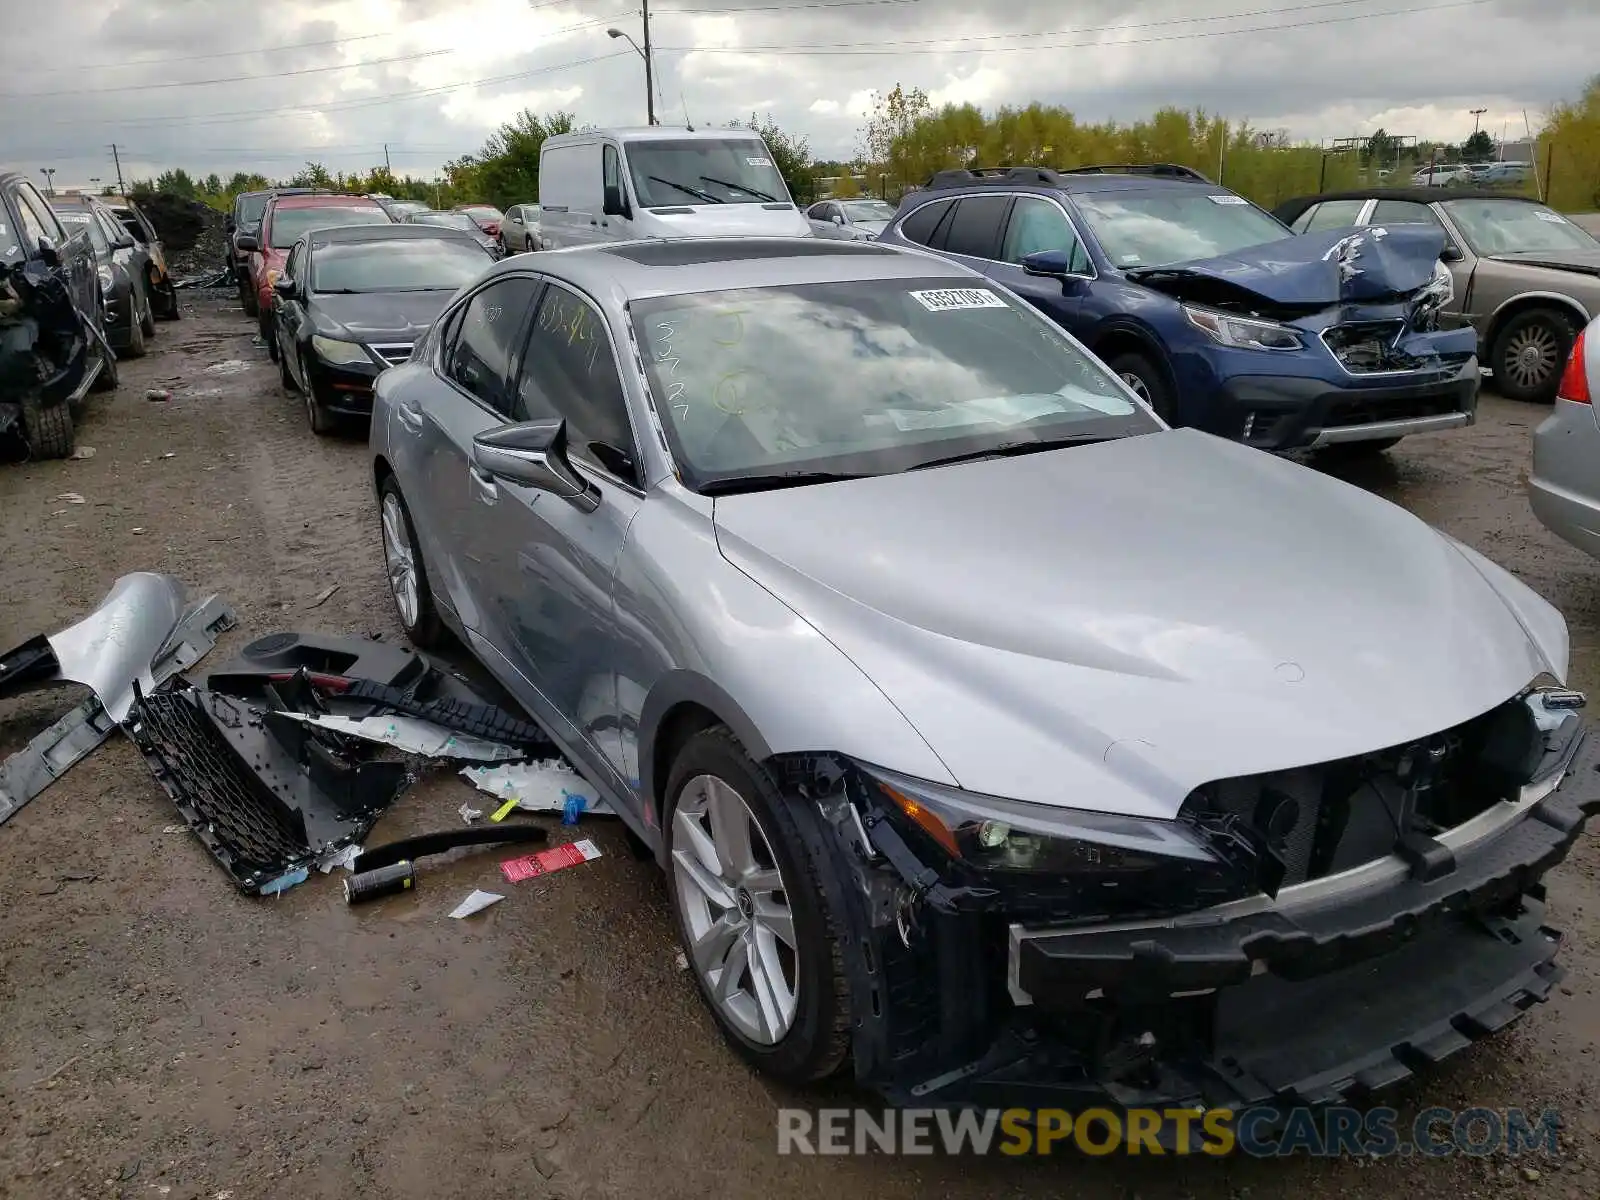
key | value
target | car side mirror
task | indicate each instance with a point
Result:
(48, 254)
(247, 242)
(534, 454)
(613, 205)
(125, 243)
(838, 220)
(1048, 263)
(1450, 253)
(285, 287)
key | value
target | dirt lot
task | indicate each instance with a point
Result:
(162, 1037)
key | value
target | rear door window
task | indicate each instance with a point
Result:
(926, 225)
(485, 338)
(975, 228)
(37, 214)
(1403, 212)
(1330, 214)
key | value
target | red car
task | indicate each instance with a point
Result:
(286, 219)
(486, 216)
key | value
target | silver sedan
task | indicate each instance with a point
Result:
(1564, 484)
(948, 685)
(849, 220)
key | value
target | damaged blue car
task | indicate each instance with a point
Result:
(1209, 309)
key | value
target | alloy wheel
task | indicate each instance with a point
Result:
(1532, 355)
(1139, 387)
(398, 558)
(736, 911)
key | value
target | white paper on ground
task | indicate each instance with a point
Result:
(476, 903)
(413, 735)
(538, 787)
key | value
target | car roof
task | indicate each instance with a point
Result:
(329, 200)
(657, 133)
(680, 266)
(389, 233)
(1422, 195)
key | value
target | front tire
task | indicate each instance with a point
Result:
(247, 297)
(1530, 353)
(47, 430)
(407, 575)
(148, 323)
(1148, 382)
(751, 912)
(136, 347)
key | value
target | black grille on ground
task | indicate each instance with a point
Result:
(212, 791)
(1355, 410)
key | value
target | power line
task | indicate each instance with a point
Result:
(150, 87)
(1096, 45)
(743, 8)
(153, 62)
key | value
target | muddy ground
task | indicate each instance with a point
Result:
(163, 1037)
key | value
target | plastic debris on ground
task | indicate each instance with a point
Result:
(71, 498)
(231, 366)
(284, 882)
(470, 814)
(81, 453)
(475, 903)
(557, 858)
(158, 394)
(323, 596)
(344, 857)
(413, 735)
(546, 786)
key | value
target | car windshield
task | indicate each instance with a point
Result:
(1153, 229)
(704, 171)
(76, 218)
(483, 212)
(427, 264)
(867, 210)
(406, 206)
(447, 220)
(251, 208)
(289, 224)
(866, 378)
(1515, 227)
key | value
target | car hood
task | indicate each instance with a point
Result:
(1331, 267)
(1110, 626)
(379, 316)
(729, 220)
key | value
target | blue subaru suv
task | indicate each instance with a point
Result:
(1212, 311)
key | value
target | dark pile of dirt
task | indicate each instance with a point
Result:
(191, 233)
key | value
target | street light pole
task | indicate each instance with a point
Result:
(649, 67)
(49, 174)
(1477, 115)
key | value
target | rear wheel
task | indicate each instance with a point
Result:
(408, 578)
(247, 296)
(286, 376)
(136, 347)
(756, 928)
(1147, 381)
(149, 319)
(47, 430)
(107, 380)
(1531, 352)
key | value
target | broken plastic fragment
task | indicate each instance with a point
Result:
(538, 787)
(344, 857)
(469, 814)
(475, 903)
(285, 881)
(413, 735)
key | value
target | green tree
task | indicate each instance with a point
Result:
(1382, 148)
(1478, 148)
(312, 175)
(791, 154)
(213, 185)
(175, 182)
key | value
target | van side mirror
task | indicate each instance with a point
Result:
(48, 254)
(838, 219)
(1048, 263)
(285, 287)
(125, 242)
(534, 454)
(247, 243)
(1450, 253)
(613, 205)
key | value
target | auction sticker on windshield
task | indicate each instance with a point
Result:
(1228, 200)
(949, 299)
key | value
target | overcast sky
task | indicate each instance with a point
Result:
(207, 85)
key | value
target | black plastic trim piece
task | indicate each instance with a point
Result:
(412, 848)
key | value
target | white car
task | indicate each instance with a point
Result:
(1441, 176)
(855, 220)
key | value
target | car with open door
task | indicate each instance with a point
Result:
(163, 293)
(1525, 278)
(123, 267)
(351, 301)
(997, 740)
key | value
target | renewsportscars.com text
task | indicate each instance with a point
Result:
(1259, 1132)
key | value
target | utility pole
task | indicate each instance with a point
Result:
(1477, 115)
(386, 165)
(649, 69)
(121, 191)
(49, 174)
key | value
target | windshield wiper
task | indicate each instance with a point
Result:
(765, 483)
(1007, 449)
(738, 187)
(686, 189)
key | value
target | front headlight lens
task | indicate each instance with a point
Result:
(1441, 290)
(332, 350)
(106, 280)
(1242, 333)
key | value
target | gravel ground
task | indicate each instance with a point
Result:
(162, 1037)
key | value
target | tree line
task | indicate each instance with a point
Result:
(906, 139)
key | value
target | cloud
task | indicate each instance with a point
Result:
(431, 78)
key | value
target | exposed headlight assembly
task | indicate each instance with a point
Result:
(338, 353)
(1242, 333)
(1107, 863)
(106, 280)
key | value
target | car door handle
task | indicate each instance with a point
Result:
(484, 487)
(409, 417)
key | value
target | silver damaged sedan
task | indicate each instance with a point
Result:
(996, 740)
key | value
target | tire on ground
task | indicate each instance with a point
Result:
(47, 429)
